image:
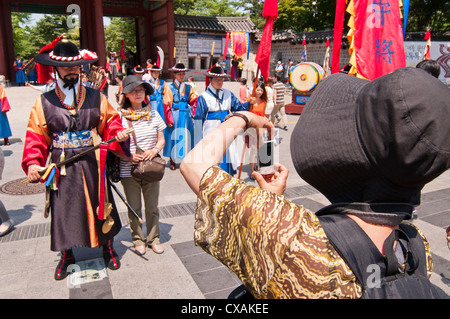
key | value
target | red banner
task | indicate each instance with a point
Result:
(378, 38)
(337, 38)
(239, 43)
(225, 50)
(263, 54)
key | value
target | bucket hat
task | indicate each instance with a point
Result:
(64, 54)
(216, 72)
(133, 81)
(375, 141)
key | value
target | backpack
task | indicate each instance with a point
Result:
(379, 276)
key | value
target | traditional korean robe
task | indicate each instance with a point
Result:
(212, 108)
(73, 206)
(162, 95)
(180, 137)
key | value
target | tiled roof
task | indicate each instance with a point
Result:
(243, 24)
(289, 35)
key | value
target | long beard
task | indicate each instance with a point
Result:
(70, 80)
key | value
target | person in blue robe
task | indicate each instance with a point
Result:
(213, 106)
(180, 136)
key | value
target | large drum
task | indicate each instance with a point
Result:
(306, 76)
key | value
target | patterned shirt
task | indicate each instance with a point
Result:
(276, 248)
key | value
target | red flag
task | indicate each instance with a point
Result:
(122, 52)
(337, 38)
(270, 13)
(427, 53)
(378, 38)
(239, 43)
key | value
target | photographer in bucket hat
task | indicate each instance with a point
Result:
(369, 147)
(64, 122)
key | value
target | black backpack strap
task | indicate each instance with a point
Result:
(352, 244)
(416, 249)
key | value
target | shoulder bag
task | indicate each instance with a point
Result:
(147, 170)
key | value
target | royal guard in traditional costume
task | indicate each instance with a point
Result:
(113, 66)
(161, 92)
(18, 68)
(65, 122)
(180, 135)
(138, 70)
(213, 106)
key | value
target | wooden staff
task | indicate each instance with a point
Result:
(125, 202)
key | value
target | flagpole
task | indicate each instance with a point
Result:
(246, 137)
(270, 13)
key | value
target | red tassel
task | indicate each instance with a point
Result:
(328, 42)
(427, 35)
(270, 9)
(304, 42)
(44, 71)
(207, 79)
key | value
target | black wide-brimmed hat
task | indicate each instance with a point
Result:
(216, 72)
(179, 67)
(65, 53)
(154, 68)
(138, 70)
(374, 141)
(133, 81)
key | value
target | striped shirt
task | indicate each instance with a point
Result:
(280, 92)
(146, 134)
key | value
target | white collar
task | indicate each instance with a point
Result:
(210, 87)
(179, 85)
(67, 92)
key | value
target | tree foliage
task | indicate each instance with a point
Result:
(209, 8)
(313, 15)
(298, 15)
(118, 29)
(28, 40)
(429, 13)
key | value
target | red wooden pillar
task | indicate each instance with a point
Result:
(170, 31)
(148, 36)
(86, 34)
(6, 42)
(99, 31)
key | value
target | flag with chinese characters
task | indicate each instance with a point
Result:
(239, 43)
(376, 38)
